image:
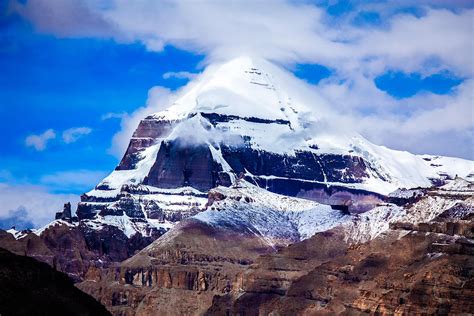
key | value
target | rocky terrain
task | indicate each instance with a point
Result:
(412, 268)
(420, 258)
(73, 247)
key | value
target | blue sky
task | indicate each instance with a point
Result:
(57, 83)
(81, 76)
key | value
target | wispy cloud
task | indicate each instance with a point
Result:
(158, 99)
(72, 135)
(179, 75)
(16, 218)
(112, 115)
(39, 142)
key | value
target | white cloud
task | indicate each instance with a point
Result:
(410, 42)
(39, 142)
(39, 204)
(72, 135)
(439, 38)
(424, 123)
(287, 32)
(159, 98)
(179, 75)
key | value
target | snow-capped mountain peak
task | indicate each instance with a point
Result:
(244, 87)
(250, 119)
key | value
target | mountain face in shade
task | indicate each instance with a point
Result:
(249, 120)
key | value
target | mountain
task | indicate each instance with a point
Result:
(241, 192)
(250, 120)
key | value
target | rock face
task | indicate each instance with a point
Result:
(179, 166)
(145, 135)
(65, 214)
(29, 287)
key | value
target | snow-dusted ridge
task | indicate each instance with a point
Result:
(276, 218)
(248, 208)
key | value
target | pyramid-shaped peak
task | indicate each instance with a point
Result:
(245, 87)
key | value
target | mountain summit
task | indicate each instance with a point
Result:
(252, 117)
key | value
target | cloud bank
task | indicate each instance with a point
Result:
(425, 37)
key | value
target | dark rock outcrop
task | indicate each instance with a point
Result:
(65, 214)
(178, 166)
(29, 287)
(146, 134)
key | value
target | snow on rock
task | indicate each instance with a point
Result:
(370, 224)
(451, 166)
(118, 178)
(315, 220)
(460, 185)
(274, 217)
(57, 222)
(126, 224)
(16, 233)
(406, 193)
